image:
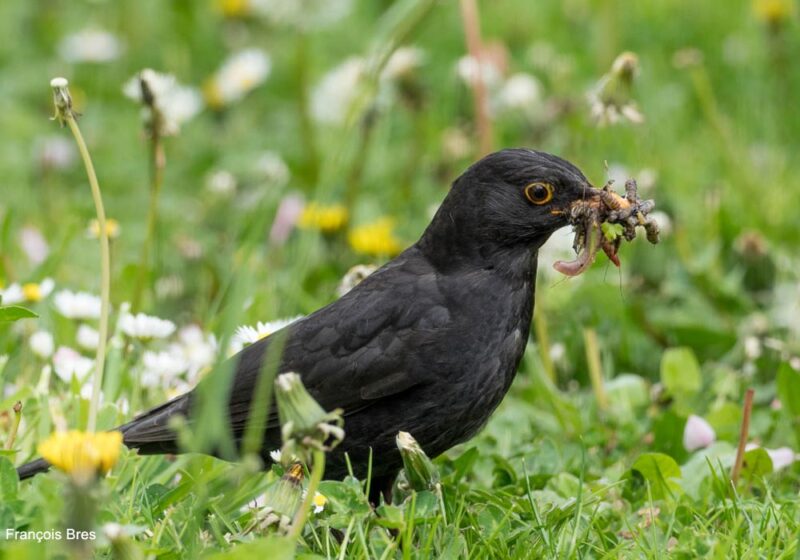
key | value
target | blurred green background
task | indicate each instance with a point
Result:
(715, 86)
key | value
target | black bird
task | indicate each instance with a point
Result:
(429, 343)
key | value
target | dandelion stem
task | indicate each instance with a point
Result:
(316, 476)
(12, 435)
(105, 269)
(472, 34)
(595, 367)
(157, 164)
(743, 434)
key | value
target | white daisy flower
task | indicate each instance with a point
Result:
(319, 501)
(33, 244)
(87, 337)
(12, 294)
(271, 167)
(67, 362)
(34, 292)
(197, 348)
(172, 104)
(246, 335)
(77, 305)
(333, 97)
(145, 327)
(402, 62)
(240, 74)
(90, 45)
(752, 347)
(697, 433)
(275, 455)
(30, 291)
(558, 351)
(162, 368)
(221, 182)
(42, 344)
(521, 92)
(468, 68)
(303, 14)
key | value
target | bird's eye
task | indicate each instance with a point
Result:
(539, 193)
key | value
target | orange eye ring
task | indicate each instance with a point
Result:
(539, 193)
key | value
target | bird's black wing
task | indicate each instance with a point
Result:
(358, 350)
(349, 354)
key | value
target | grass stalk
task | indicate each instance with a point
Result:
(307, 130)
(157, 164)
(543, 343)
(595, 368)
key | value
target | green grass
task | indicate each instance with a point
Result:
(552, 475)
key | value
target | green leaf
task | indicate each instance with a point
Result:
(346, 496)
(463, 464)
(426, 505)
(390, 516)
(611, 231)
(6, 518)
(627, 393)
(9, 481)
(272, 547)
(726, 419)
(662, 472)
(788, 387)
(680, 372)
(668, 430)
(15, 313)
(756, 465)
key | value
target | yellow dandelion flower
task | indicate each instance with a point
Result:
(82, 454)
(112, 228)
(326, 219)
(773, 11)
(235, 8)
(376, 238)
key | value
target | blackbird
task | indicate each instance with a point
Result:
(430, 342)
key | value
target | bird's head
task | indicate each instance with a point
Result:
(512, 199)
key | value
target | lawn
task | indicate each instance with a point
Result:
(291, 142)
